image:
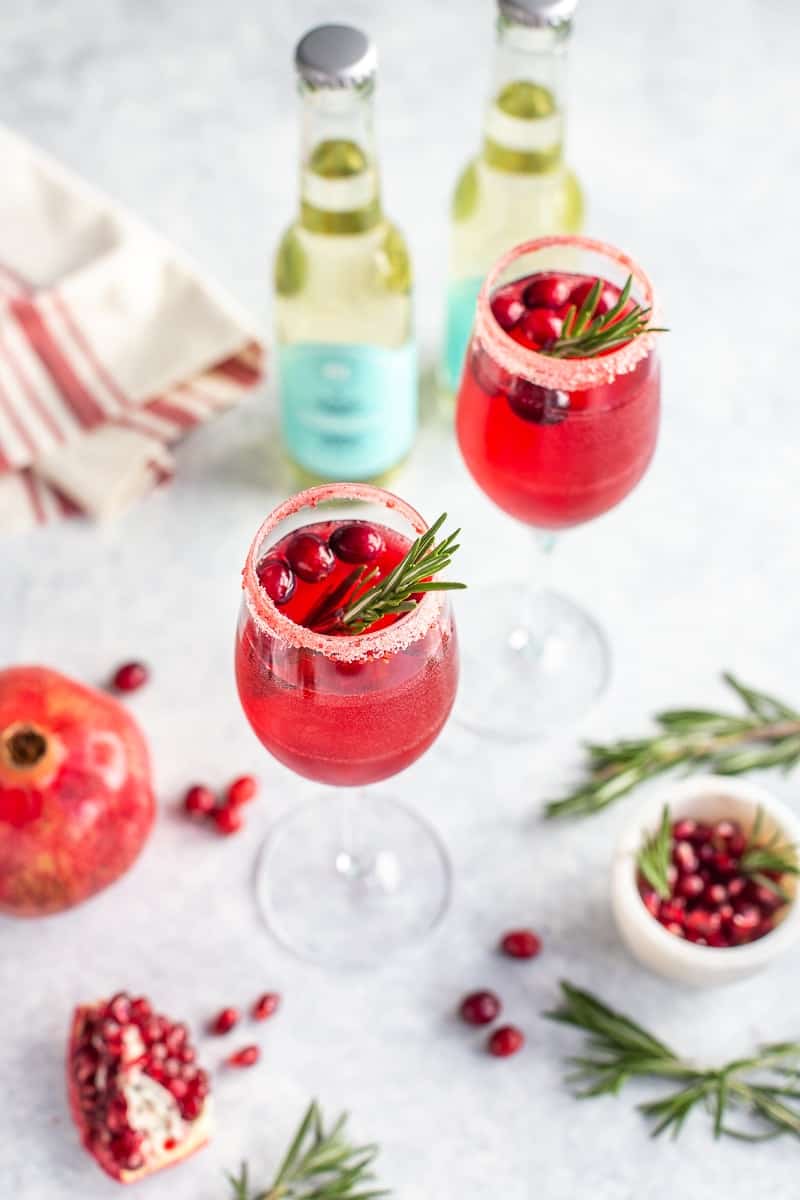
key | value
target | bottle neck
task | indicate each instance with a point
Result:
(524, 123)
(339, 190)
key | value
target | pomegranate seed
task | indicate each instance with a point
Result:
(192, 1106)
(140, 1009)
(507, 308)
(158, 1052)
(276, 578)
(130, 676)
(685, 830)
(651, 900)
(718, 939)
(548, 291)
(541, 326)
(199, 800)
(671, 912)
(178, 1087)
(685, 859)
(715, 894)
(225, 1020)
(690, 886)
(248, 1056)
(266, 1005)
(357, 542)
(723, 864)
(241, 790)
(521, 943)
(310, 557)
(737, 886)
(187, 1054)
(119, 1008)
(723, 830)
(706, 853)
(543, 406)
(480, 1008)
(746, 919)
(228, 819)
(505, 1041)
(766, 926)
(702, 922)
(765, 898)
(672, 927)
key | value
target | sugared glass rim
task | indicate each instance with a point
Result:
(268, 617)
(563, 374)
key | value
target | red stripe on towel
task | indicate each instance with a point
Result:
(80, 400)
(172, 412)
(15, 420)
(33, 399)
(80, 339)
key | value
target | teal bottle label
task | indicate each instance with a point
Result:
(462, 297)
(348, 411)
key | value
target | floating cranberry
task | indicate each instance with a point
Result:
(521, 943)
(277, 579)
(266, 1006)
(480, 1008)
(310, 557)
(225, 1020)
(357, 542)
(241, 790)
(228, 819)
(541, 326)
(542, 406)
(548, 291)
(248, 1056)
(507, 308)
(609, 295)
(130, 676)
(199, 800)
(505, 1041)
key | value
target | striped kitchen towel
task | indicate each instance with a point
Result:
(112, 347)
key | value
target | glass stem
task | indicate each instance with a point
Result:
(375, 873)
(525, 636)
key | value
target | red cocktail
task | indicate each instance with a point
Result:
(555, 436)
(344, 709)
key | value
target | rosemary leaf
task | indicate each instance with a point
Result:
(584, 335)
(654, 857)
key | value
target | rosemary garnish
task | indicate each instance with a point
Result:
(398, 591)
(319, 1165)
(766, 735)
(585, 335)
(655, 856)
(762, 861)
(761, 1089)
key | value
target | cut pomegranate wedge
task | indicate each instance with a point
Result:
(136, 1093)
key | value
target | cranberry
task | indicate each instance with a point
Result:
(542, 326)
(241, 790)
(542, 406)
(199, 800)
(690, 886)
(357, 542)
(609, 295)
(507, 308)
(505, 1041)
(480, 1008)
(225, 1020)
(228, 819)
(266, 1005)
(310, 557)
(130, 676)
(548, 291)
(277, 579)
(684, 857)
(521, 943)
(248, 1056)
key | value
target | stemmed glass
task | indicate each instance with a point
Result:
(350, 876)
(554, 442)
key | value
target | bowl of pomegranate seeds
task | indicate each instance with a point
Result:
(704, 883)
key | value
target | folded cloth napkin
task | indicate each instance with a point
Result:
(112, 346)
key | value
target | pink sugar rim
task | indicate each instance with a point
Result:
(564, 374)
(268, 617)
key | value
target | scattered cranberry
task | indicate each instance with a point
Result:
(505, 1041)
(277, 579)
(248, 1056)
(130, 676)
(225, 1020)
(357, 542)
(241, 790)
(543, 406)
(480, 1008)
(507, 308)
(521, 943)
(266, 1006)
(199, 800)
(541, 326)
(310, 557)
(548, 291)
(228, 819)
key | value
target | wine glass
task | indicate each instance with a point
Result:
(350, 876)
(554, 441)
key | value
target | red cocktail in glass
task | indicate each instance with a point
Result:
(554, 442)
(344, 709)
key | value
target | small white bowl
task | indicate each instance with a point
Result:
(705, 798)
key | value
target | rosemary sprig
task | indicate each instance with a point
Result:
(585, 335)
(763, 1090)
(320, 1164)
(396, 592)
(766, 735)
(764, 860)
(655, 855)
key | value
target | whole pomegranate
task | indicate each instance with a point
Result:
(76, 802)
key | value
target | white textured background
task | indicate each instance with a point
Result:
(684, 130)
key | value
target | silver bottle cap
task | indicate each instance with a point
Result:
(538, 12)
(335, 56)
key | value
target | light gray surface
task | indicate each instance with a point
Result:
(684, 130)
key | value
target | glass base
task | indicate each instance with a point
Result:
(348, 881)
(530, 664)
